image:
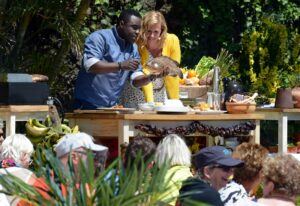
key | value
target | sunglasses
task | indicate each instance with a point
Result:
(224, 168)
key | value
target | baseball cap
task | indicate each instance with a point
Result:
(73, 141)
(215, 155)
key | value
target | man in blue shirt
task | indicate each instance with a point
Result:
(110, 58)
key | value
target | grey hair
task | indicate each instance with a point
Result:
(173, 150)
(15, 146)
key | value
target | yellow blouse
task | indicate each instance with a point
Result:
(171, 48)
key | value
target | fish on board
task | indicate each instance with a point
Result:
(156, 64)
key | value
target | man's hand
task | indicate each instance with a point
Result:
(131, 64)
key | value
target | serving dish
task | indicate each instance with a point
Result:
(168, 109)
(240, 108)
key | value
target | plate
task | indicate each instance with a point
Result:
(210, 112)
(167, 109)
(121, 110)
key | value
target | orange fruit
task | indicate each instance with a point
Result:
(191, 73)
(181, 81)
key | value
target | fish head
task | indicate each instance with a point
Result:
(154, 66)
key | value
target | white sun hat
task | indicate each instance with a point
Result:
(73, 141)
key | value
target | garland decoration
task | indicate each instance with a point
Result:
(197, 126)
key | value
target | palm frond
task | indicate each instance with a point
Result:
(137, 185)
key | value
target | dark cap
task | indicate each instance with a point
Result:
(215, 155)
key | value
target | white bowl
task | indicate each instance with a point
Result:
(173, 103)
(146, 106)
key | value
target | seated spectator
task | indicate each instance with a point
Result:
(281, 181)
(172, 150)
(247, 178)
(15, 157)
(139, 147)
(16, 150)
(214, 167)
(77, 146)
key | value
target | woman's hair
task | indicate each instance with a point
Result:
(253, 156)
(15, 147)
(173, 150)
(139, 151)
(284, 172)
(151, 18)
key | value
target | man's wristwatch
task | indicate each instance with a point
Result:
(120, 66)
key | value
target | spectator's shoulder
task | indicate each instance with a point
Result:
(196, 190)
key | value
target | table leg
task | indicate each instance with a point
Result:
(282, 134)
(123, 133)
(10, 125)
(257, 132)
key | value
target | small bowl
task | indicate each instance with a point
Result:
(146, 107)
(240, 108)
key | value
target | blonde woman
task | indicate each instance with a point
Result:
(173, 150)
(154, 41)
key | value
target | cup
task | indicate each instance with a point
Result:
(183, 95)
(217, 101)
(210, 99)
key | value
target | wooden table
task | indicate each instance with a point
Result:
(282, 116)
(102, 124)
(13, 113)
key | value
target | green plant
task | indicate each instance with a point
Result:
(268, 58)
(224, 60)
(204, 65)
(114, 186)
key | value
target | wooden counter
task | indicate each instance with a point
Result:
(13, 113)
(104, 124)
(282, 116)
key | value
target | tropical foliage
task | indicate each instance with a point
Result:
(114, 186)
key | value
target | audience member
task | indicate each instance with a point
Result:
(77, 147)
(247, 178)
(173, 151)
(16, 151)
(139, 150)
(281, 181)
(214, 167)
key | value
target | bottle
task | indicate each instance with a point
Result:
(216, 79)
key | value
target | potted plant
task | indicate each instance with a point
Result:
(284, 97)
